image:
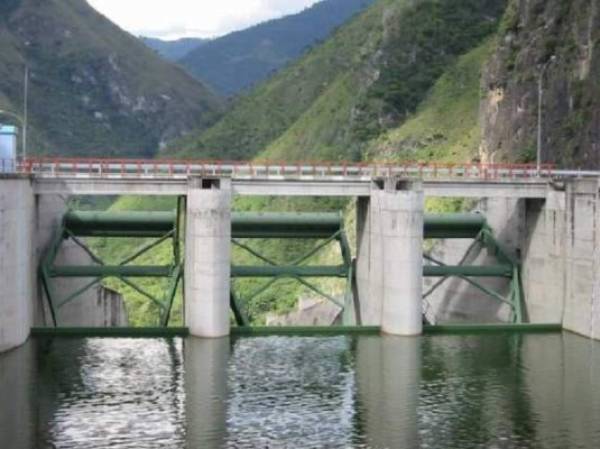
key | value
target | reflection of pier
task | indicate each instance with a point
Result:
(205, 362)
(388, 378)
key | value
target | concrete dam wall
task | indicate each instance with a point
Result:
(554, 237)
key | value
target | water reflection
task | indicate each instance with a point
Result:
(388, 375)
(17, 393)
(206, 391)
(290, 393)
(503, 390)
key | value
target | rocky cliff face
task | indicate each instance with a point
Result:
(557, 42)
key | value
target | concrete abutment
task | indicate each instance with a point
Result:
(17, 268)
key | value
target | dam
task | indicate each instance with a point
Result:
(486, 337)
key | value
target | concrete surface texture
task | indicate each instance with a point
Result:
(561, 260)
(282, 186)
(389, 257)
(208, 257)
(17, 272)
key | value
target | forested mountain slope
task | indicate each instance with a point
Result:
(239, 60)
(368, 78)
(95, 90)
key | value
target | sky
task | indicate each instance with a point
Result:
(175, 19)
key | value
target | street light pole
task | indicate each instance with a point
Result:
(25, 111)
(540, 113)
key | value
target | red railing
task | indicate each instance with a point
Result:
(164, 168)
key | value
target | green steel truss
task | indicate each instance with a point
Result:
(474, 226)
(326, 228)
(157, 227)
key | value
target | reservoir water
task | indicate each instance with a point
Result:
(440, 391)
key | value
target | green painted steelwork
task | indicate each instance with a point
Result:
(148, 332)
(491, 328)
(158, 226)
(285, 225)
(328, 228)
(446, 226)
(120, 224)
(305, 330)
(290, 271)
(110, 332)
(105, 271)
(474, 226)
(470, 271)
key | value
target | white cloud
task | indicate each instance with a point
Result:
(193, 18)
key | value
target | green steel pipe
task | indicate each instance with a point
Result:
(120, 224)
(472, 271)
(289, 271)
(105, 271)
(458, 226)
(285, 225)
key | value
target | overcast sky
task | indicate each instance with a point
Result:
(173, 19)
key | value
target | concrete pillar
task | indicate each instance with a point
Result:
(390, 256)
(206, 393)
(208, 257)
(401, 207)
(17, 267)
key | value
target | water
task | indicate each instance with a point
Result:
(486, 391)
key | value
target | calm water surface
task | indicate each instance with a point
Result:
(486, 391)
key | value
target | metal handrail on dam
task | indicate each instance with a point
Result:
(161, 168)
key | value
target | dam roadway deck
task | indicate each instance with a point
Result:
(156, 177)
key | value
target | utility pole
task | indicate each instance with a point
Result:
(25, 111)
(540, 112)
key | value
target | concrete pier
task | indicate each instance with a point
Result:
(17, 269)
(208, 257)
(389, 256)
(401, 208)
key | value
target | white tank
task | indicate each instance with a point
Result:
(8, 148)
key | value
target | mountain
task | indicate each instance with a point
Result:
(557, 42)
(173, 50)
(240, 60)
(95, 90)
(369, 78)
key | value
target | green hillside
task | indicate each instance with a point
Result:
(445, 127)
(95, 90)
(236, 62)
(368, 78)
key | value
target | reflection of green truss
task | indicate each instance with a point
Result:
(325, 227)
(482, 235)
(158, 226)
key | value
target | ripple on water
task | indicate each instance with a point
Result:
(486, 391)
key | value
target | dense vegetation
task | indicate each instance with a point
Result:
(95, 90)
(346, 93)
(240, 60)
